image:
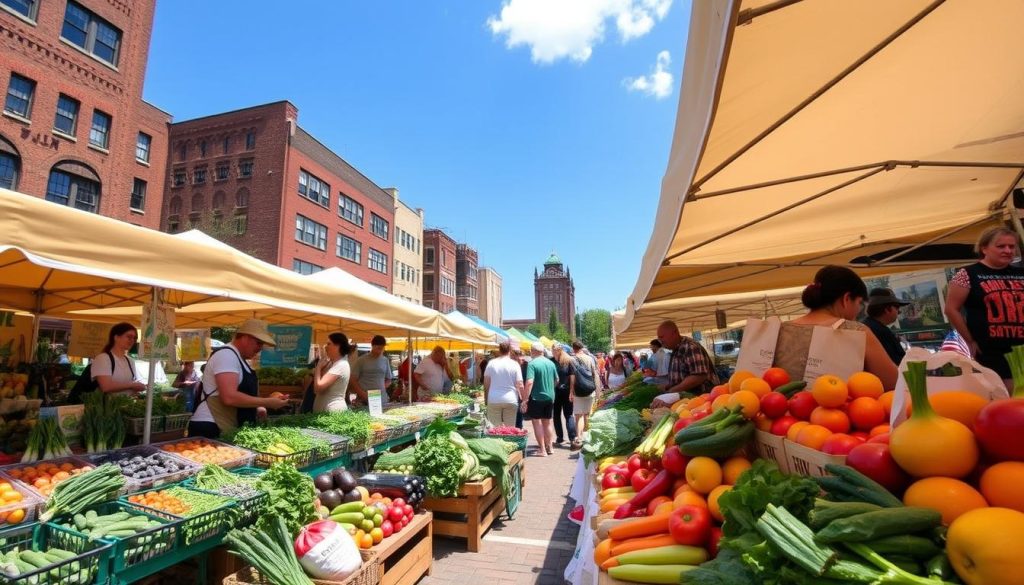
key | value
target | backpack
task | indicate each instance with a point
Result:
(85, 382)
(198, 396)
(585, 383)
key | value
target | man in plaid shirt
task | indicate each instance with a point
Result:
(690, 367)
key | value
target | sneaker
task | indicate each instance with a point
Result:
(576, 516)
(576, 445)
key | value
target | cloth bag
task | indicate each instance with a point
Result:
(757, 352)
(976, 379)
(835, 351)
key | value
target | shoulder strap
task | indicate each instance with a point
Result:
(203, 394)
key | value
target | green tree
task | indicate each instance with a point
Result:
(538, 329)
(553, 323)
(595, 329)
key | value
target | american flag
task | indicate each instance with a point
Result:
(954, 342)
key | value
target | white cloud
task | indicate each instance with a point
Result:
(658, 83)
(558, 29)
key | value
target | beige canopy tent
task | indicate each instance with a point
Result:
(874, 134)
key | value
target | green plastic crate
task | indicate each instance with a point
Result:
(198, 528)
(89, 567)
(249, 509)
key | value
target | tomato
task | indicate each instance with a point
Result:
(614, 479)
(840, 444)
(781, 425)
(775, 377)
(774, 405)
(395, 514)
(882, 438)
(633, 463)
(640, 479)
(398, 502)
(409, 512)
(716, 535)
(387, 528)
(860, 435)
(802, 404)
(690, 525)
(875, 461)
(674, 461)
(682, 423)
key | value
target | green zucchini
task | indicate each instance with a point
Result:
(908, 545)
(874, 525)
(720, 444)
(825, 511)
(860, 480)
(791, 388)
(35, 558)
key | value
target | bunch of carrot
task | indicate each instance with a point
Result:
(642, 550)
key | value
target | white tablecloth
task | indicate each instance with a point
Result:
(581, 569)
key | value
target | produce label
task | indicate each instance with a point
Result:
(69, 419)
(87, 338)
(193, 344)
(156, 341)
(292, 346)
(376, 405)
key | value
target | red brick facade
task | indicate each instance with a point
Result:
(439, 274)
(237, 176)
(34, 48)
(554, 289)
(467, 280)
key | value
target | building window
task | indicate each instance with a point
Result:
(66, 119)
(227, 144)
(142, 146)
(350, 209)
(179, 178)
(428, 256)
(138, 200)
(222, 170)
(199, 176)
(241, 224)
(99, 134)
(219, 198)
(8, 171)
(245, 169)
(90, 32)
(444, 258)
(183, 151)
(378, 261)
(310, 232)
(198, 203)
(314, 189)
(303, 267)
(175, 206)
(26, 8)
(172, 226)
(378, 225)
(202, 149)
(19, 96)
(250, 140)
(242, 198)
(349, 249)
(447, 286)
(428, 283)
(73, 190)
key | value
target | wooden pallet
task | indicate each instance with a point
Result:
(407, 556)
(477, 506)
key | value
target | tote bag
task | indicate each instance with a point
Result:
(974, 378)
(835, 351)
(757, 351)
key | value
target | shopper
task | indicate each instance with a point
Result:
(883, 311)
(503, 387)
(984, 299)
(228, 396)
(656, 371)
(617, 372)
(332, 374)
(563, 390)
(517, 356)
(432, 374)
(186, 380)
(690, 367)
(586, 389)
(371, 371)
(541, 378)
(113, 369)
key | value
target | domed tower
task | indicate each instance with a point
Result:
(553, 289)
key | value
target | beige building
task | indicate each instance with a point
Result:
(407, 277)
(489, 295)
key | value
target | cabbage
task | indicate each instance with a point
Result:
(612, 432)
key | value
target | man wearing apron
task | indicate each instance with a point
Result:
(229, 393)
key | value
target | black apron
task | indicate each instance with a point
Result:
(249, 385)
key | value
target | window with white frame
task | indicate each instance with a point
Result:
(350, 209)
(378, 261)
(303, 267)
(310, 232)
(65, 120)
(142, 147)
(378, 225)
(314, 189)
(349, 249)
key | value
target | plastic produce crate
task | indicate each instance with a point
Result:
(16, 471)
(22, 511)
(298, 459)
(176, 422)
(89, 566)
(197, 528)
(136, 426)
(245, 458)
(519, 442)
(186, 467)
(339, 444)
(250, 508)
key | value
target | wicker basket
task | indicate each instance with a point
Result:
(368, 574)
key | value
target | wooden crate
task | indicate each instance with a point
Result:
(477, 506)
(407, 556)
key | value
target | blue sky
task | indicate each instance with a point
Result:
(516, 151)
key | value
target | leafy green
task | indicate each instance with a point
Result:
(353, 424)
(759, 486)
(440, 427)
(291, 497)
(638, 398)
(493, 458)
(728, 567)
(264, 438)
(612, 432)
(440, 461)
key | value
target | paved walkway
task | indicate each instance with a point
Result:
(534, 548)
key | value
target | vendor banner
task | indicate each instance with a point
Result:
(193, 344)
(292, 349)
(87, 338)
(157, 339)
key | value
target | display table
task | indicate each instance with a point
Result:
(407, 556)
(477, 506)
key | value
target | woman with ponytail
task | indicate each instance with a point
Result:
(836, 295)
(331, 375)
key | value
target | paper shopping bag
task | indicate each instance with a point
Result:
(974, 378)
(757, 351)
(835, 351)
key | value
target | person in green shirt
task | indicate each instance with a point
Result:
(539, 406)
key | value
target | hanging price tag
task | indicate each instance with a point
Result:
(376, 404)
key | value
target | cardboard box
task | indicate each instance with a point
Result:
(807, 461)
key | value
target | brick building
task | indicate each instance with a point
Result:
(466, 280)
(554, 289)
(438, 270)
(407, 276)
(490, 296)
(74, 128)
(259, 182)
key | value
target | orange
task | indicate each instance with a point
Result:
(12, 496)
(832, 419)
(748, 401)
(957, 405)
(737, 379)
(879, 430)
(886, 401)
(756, 385)
(813, 436)
(721, 402)
(830, 391)
(16, 516)
(951, 497)
(864, 384)
(794, 429)
(366, 540)
(984, 546)
(866, 413)
(1001, 485)
(689, 498)
(716, 512)
(703, 474)
(762, 422)
(733, 468)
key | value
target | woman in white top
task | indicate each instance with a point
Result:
(113, 370)
(616, 373)
(331, 375)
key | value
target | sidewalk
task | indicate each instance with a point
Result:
(534, 548)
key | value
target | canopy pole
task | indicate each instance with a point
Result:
(148, 424)
(1015, 218)
(410, 367)
(37, 317)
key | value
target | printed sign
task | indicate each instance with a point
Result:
(376, 405)
(69, 419)
(157, 339)
(87, 338)
(193, 344)
(292, 349)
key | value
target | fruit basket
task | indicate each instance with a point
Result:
(202, 451)
(194, 528)
(18, 503)
(142, 466)
(41, 477)
(89, 564)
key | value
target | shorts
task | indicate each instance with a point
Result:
(536, 410)
(583, 404)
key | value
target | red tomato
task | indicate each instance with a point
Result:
(882, 438)
(781, 425)
(775, 377)
(860, 435)
(674, 461)
(840, 444)
(409, 512)
(682, 424)
(774, 405)
(640, 479)
(398, 502)
(635, 462)
(614, 479)
(395, 514)
(387, 528)
(802, 404)
(690, 525)
(874, 461)
(716, 535)
(997, 428)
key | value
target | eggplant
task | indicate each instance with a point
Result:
(323, 483)
(331, 498)
(389, 485)
(352, 496)
(344, 480)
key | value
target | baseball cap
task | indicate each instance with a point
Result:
(884, 296)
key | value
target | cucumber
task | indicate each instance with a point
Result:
(874, 525)
(791, 388)
(354, 518)
(24, 567)
(35, 558)
(80, 522)
(883, 497)
(348, 507)
(825, 512)
(907, 545)
(721, 444)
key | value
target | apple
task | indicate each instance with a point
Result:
(802, 404)
(640, 479)
(875, 461)
(774, 404)
(387, 528)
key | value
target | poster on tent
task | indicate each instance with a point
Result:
(193, 344)
(292, 348)
(15, 338)
(157, 339)
(87, 338)
(926, 293)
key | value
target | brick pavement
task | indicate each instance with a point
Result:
(534, 548)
